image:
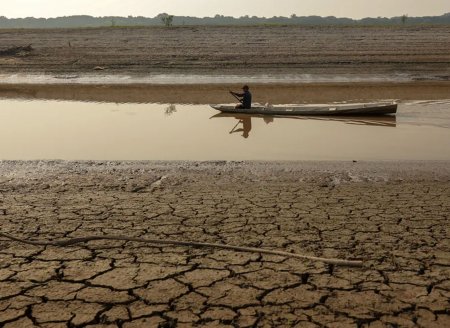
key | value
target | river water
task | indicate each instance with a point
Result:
(71, 130)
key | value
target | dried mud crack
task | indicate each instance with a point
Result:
(392, 215)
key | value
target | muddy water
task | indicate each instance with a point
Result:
(109, 131)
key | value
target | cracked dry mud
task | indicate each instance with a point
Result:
(395, 219)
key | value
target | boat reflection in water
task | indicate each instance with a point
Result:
(244, 121)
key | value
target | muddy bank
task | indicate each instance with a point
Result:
(391, 215)
(218, 93)
(419, 52)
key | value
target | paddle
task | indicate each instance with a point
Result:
(232, 93)
(232, 130)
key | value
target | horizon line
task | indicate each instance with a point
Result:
(226, 16)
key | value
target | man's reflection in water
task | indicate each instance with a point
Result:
(246, 126)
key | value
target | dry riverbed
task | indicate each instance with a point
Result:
(414, 53)
(391, 215)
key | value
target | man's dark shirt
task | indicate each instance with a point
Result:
(246, 99)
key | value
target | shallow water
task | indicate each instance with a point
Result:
(110, 131)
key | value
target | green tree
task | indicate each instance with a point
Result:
(167, 19)
(404, 18)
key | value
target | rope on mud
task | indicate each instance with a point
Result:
(72, 241)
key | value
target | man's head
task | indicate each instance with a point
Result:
(245, 88)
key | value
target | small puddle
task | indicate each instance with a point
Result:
(108, 131)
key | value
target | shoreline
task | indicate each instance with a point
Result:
(367, 170)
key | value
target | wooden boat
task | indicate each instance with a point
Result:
(367, 109)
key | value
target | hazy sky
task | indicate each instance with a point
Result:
(201, 8)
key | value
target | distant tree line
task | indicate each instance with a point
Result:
(168, 20)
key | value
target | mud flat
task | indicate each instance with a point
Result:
(391, 215)
(414, 53)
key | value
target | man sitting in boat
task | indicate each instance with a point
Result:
(246, 101)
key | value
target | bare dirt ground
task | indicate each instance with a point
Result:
(393, 216)
(420, 52)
